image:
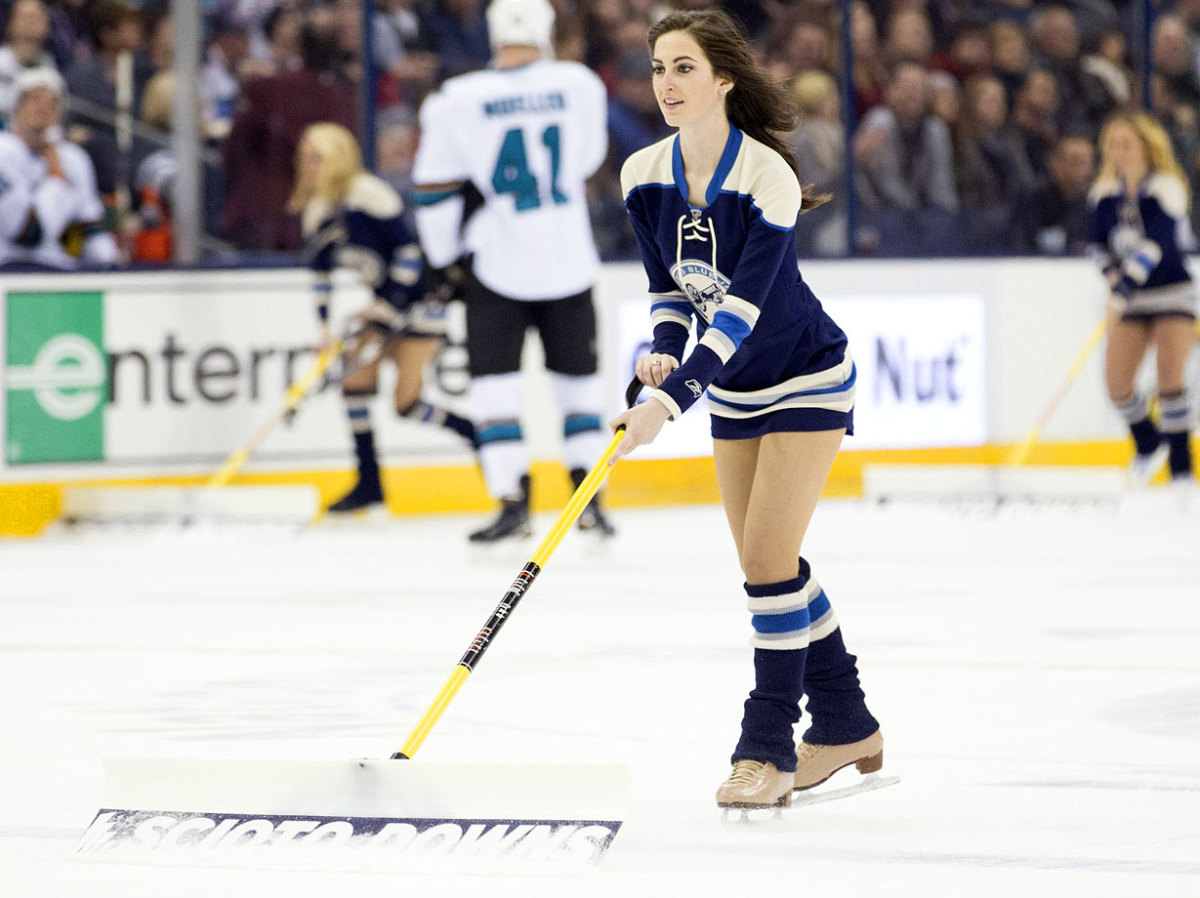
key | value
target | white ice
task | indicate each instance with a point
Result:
(1036, 672)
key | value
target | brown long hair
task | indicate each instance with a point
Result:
(756, 105)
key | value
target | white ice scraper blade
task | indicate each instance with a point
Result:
(182, 505)
(373, 814)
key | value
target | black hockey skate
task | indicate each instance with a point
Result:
(592, 518)
(365, 494)
(513, 520)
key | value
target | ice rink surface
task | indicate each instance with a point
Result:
(1036, 672)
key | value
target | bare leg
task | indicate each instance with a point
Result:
(770, 487)
(1173, 338)
(1127, 345)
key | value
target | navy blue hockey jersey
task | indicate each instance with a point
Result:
(765, 343)
(367, 234)
(1141, 235)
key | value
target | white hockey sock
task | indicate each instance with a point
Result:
(581, 401)
(496, 402)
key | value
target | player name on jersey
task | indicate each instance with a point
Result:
(551, 102)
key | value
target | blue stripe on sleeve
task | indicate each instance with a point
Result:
(735, 328)
(684, 307)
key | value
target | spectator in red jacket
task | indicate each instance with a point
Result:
(260, 152)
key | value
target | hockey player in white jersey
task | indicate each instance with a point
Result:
(51, 215)
(526, 134)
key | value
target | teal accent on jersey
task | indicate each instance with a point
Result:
(433, 197)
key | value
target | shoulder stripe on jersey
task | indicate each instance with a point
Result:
(764, 176)
(1170, 192)
(649, 167)
(372, 195)
(1103, 189)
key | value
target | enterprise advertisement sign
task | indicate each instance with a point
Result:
(185, 373)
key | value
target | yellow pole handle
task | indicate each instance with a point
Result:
(579, 500)
(583, 495)
(434, 712)
(1021, 452)
(295, 393)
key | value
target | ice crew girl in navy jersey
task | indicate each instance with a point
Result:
(1138, 207)
(714, 208)
(352, 219)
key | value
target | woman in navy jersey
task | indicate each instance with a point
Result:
(352, 219)
(714, 208)
(1138, 209)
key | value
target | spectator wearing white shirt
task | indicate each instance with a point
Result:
(51, 215)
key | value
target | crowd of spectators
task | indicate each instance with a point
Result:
(973, 121)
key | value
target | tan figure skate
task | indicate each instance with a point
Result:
(754, 785)
(817, 763)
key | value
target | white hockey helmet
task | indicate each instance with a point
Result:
(526, 22)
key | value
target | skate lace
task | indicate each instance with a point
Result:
(745, 772)
(806, 751)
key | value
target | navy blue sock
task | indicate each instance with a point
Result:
(440, 417)
(1145, 436)
(461, 426)
(1181, 453)
(368, 464)
(836, 702)
(773, 708)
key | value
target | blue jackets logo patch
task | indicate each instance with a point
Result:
(704, 285)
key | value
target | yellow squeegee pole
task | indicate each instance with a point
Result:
(295, 393)
(582, 496)
(433, 713)
(1021, 452)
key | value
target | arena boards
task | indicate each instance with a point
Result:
(216, 501)
(182, 505)
(993, 483)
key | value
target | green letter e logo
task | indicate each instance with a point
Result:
(56, 377)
